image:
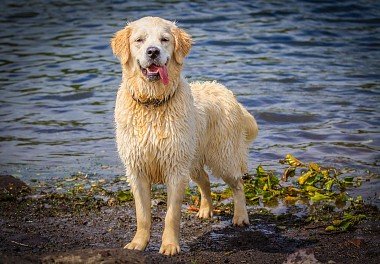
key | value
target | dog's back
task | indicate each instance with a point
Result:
(225, 129)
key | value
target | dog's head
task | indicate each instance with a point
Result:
(151, 49)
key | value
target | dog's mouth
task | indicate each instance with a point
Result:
(156, 72)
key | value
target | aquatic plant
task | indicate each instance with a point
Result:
(318, 187)
(314, 183)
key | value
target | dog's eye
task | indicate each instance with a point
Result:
(164, 39)
(139, 40)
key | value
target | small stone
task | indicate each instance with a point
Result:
(11, 187)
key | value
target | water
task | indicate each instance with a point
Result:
(308, 70)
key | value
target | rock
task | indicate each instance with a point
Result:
(11, 187)
(89, 256)
(302, 256)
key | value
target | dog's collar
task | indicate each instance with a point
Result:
(153, 101)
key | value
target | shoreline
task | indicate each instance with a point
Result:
(42, 227)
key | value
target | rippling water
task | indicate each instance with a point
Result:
(308, 70)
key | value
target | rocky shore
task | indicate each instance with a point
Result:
(48, 227)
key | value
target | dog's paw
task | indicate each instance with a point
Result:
(240, 220)
(205, 212)
(136, 245)
(170, 249)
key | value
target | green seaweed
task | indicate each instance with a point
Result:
(314, 182)
(124, 196)
(322, 189)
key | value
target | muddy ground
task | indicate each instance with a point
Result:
(55, 228)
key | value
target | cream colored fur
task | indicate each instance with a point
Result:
(199, 124)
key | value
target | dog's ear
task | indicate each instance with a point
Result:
(183, 44)
(120, 44)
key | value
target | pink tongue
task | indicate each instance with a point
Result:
(163, 71)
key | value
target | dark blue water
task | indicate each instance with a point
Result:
(308, 70)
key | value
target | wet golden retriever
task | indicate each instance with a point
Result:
(168, 130)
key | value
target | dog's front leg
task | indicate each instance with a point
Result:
(141, 192)
(170, 237)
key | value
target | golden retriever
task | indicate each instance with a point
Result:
(168, 130)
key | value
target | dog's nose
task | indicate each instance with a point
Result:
(152, 52)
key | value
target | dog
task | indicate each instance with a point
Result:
(168, 130)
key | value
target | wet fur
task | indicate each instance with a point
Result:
(201, 125)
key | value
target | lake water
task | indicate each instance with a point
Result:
(308, 70)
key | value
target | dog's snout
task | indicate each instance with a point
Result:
(153, 52)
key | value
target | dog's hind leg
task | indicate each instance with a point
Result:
(201, 178)
(240, 208)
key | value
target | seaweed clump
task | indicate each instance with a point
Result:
(321, 190)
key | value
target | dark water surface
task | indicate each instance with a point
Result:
(308, 70)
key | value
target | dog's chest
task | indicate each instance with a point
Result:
(155, 145)
(150, 127)
(143, 132)
(155, 141)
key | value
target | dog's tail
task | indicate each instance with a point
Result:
(250, 126)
